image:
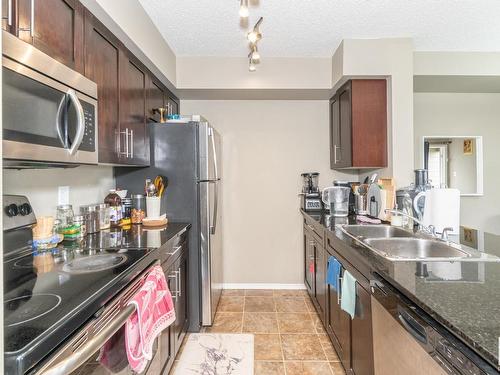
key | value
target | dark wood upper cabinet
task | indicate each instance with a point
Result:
(102, 56)
(55, 27)
(358, 125)
(156, 94)
(133, 116)
(127, 91)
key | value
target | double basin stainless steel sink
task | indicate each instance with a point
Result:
(397, 244)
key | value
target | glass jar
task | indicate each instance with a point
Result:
(126, 211)
(138, 208)
(115, 208)
(104, 221)
(65, 216)
(90, 215)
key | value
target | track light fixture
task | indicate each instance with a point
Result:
(255, 55)
(244, 13)
(255, 35)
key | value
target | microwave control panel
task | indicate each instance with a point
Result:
(89, 137)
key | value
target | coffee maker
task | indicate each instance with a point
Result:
(310, 195)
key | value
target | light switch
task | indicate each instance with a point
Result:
(63, 195)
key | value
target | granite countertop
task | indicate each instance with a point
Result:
(468, 305)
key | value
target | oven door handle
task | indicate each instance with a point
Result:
(81, 121)
(78, 358)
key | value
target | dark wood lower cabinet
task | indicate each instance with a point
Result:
(338, 327)
(352, 338)
(321, 259)
(309, 263)
(361, 334)
(176, 273)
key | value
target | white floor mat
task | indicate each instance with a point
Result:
(216, 354)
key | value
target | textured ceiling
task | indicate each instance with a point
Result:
(314, 28)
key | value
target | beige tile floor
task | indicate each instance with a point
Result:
(289, 337)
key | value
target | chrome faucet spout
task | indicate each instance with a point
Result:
(421, 227)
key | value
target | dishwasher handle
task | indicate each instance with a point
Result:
(411, 325)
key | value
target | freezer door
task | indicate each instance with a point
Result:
(211, 249)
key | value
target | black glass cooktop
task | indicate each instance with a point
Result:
(49, 294)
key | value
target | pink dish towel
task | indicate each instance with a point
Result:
(154, 312)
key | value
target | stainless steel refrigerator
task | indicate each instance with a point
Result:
(189, 154)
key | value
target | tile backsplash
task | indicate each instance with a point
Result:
(87, 184)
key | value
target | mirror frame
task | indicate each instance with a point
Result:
(479, 160)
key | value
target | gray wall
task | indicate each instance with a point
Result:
(466, 114)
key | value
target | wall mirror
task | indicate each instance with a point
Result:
(454, 162)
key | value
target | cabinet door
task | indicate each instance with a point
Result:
(173, 106)
(181, 303)
(102, 54)
(167, 337)
(309, 263)
(345, 128)
(361, 334)
(55, 27)
(321, 280)
(338, 326)
(155, 99)
(334, 132)
(133, 130)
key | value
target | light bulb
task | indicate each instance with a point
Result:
(255, 55)
(252, 67)
(254, 36)
(244, 9)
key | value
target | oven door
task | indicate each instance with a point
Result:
(101, 354)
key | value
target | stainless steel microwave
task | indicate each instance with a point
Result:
(49, 110)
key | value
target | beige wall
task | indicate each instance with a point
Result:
(233, 73)
(466, 114)
(266, 145)
(390, 58)
(88, 184)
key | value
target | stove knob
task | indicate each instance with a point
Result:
(25, 209)
(11, 210)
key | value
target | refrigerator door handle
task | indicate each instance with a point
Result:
(213, 227)
(214, 152)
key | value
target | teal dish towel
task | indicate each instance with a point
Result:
(348, 299)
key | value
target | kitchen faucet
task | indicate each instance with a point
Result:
(431, 229)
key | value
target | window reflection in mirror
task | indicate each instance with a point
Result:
(454, 162)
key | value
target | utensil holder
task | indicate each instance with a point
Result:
(153, 207)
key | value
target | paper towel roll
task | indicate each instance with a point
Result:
(442, 209)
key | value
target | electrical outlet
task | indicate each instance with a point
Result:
(63, 195)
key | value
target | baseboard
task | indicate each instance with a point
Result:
(262, 286)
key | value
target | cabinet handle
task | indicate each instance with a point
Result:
(126, 134)
(339, 280)
(9, 13)
(174, 292)
(131, 144)
(335, 147)
(32, 26)
(312, 243)
(310, 227)
(180, 282)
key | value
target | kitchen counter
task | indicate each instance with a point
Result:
(468, 306)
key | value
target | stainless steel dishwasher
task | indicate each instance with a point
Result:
(408, 341)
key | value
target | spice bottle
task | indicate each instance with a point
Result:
(115, 207)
